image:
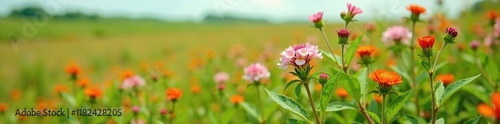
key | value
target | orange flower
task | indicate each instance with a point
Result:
(83, 82)
(60, 88)
(365, 51)
(341, 92)
(126, 74)
(426, 41)
(386, 78)
(3, 107)
(93, 92)
(195, 88)
(447, 79)
(377, 98)
(15, 94)
(318, 87)
(174, 94)
(73, 69)
(416, 9)
(492, 15)
(237, 99)
(490, 111)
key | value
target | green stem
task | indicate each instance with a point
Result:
(384, 114)
(433, 103)
(362, 109)
(344, 66)
(328, 44)
(412, 65)
(306, 85)
(260, 104)
(220, 106)
(437, 58)
(172, 113)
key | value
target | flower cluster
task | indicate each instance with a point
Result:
(299, 56)
(133, 82)
(255, 72)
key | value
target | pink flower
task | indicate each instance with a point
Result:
(315, 18)
(299, 55)
(255, 72)
(474, 44)
(396, 33)
(137, 121)
(134, 81)
(353, 10)
(221, 77)
(136, 109)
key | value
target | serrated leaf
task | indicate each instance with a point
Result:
(396, 104)
(349, 55)
(350, 83)
(251, 111)
(438, 92)
(374, 117)
(327, 92)
(454, 87)
(426, 65)
(298, 89)
(362, 76)
(69, 98)
(473, 120)
(289, 104)
(329, 56)
(290, 83)
(339, 106)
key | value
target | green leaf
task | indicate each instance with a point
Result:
(455, 86)
(295, 121)
(491, 68)
(251, 111)
(298, 89)
(350, 83)
(339, 106)
(374, 117)
(477, 91)
(426, 65)
(440, 121)
(362, 77)
(327, 92)
(329, 56)
(396, 104)
(438, 92)
(473, 120)
(412, 119)
(290, 83)
(69, 98)
(402, 72)
(352, 49)
(289, 104)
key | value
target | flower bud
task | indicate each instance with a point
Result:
(474, 45)
(135, 109)
(451, 34)
(323, 78)
(343, 36)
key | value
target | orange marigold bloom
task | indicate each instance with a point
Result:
(492, 14)
(83, 82)
(73, 69)
(93, 92)
(60, 88)
(365, 51)
(490, 111)
(237, 99)
(3, 107)
(195, 88)
(447, 79)
(126, 74)
(377, 98)
(416, 9)
(341, 92)
(426, 41)
(386, 78)
(173, 94)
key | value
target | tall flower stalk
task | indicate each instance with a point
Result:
(385, 80)
(416, 11)
(253, 74)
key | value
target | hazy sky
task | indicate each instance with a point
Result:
(274, 10)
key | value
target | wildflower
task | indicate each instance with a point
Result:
(398, 34)
(3, 107)
(377, 98)
(133, 82)
(323, 78)
(365, 52)
(237, 99)
(136, 109)
(385, 79)
(343, 36)
(370, 27)
(173, 94)
(93, 92)
(451, 34)
(341, 92)
(317, 19)
(127, 74)
(491, 15)
(137, 121)
(426, 43)
(351, 12)
(496, 28)
(15, 94)
(163, 112)
(491, 111)
(195, 88)
(447, 79)
(60, 88)
(474, 45)
(73, 70)
(221, 77)
(255, 72)
(83, 82)
(416, 10)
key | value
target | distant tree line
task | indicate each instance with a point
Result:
(33, 11)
